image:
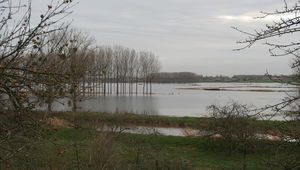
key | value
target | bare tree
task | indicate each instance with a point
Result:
(137, 72)
(274, 36)
(23, 71)
(79, 54)
(144, 70)
(131, 66)
(154, 67)
(103, 153)
(20, 45)
(115, 70)
(54, 64)
(234, 124)
(280, 37)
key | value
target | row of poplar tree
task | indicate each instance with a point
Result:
(88, 69)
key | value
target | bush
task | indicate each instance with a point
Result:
(235, 125)
(103, 153)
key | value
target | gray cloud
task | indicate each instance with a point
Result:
(188, 35)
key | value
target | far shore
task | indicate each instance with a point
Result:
(242, 90)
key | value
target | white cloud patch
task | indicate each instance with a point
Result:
(236, 18)
(253, 17)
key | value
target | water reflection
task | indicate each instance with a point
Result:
(117, 104)
(178, 100)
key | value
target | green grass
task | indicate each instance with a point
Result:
(138, 117)
(200, 153)
(88, 119)
(61, 148)
(195, 153)
(144, 150)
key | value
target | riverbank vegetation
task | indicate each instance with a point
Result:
(79, 140)
(81, 148)
(90, 119)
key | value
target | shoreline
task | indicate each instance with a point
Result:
(90, 119)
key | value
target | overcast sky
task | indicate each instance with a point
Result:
(187, 35)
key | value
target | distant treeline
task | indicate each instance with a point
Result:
(189, 77)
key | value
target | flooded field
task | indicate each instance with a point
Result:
(184, 132)
(184, 99)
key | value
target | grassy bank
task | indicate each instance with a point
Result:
(89, 119)
(81, 147)
(70, 149)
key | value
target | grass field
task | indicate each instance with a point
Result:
(65, 148)
(82, 147)
(93, 118)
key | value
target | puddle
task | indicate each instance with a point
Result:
(182, 132)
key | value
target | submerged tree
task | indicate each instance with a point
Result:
(116, 69)
(79, 53)
(55, 64)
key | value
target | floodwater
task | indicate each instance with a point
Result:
(184, 132)
(184, 99)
